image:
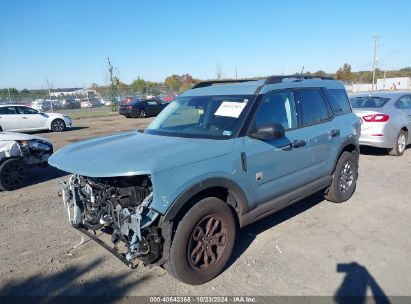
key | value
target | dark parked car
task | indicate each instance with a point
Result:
(70, 103)
(141, 108)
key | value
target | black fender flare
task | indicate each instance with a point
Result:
(345, 144)
(236, 196)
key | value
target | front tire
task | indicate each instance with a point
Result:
(400, 144)
(58, 125)
(203, 242)
(13, 172)
(344, 179)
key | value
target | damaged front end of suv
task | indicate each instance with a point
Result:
(119, 206)
(131, 186)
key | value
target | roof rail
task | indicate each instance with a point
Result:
(279, 79)
(211, 82)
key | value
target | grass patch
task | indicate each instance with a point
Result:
(86, 113)
(83, 115)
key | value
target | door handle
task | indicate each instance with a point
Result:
(335, 132)
(298, 143)
(24, 117)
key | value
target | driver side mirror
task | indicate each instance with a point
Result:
(269, 131)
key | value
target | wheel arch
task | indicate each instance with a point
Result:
(350, 145)
(54, 119)
(222, 188)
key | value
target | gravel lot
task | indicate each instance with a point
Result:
(311, 248)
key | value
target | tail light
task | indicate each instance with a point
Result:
(376, 118)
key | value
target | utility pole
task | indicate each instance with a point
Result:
(51, 103)
(8, 89)
(235, 68)
(375, 60)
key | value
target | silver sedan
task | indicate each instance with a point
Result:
(385, 118)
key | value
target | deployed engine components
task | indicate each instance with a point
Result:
(119, 205)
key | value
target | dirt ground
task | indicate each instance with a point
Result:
(311, 248)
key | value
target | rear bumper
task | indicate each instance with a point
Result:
(379, 136)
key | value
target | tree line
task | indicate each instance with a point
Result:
(179, 83)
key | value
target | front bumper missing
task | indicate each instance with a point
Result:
(127, 225)
(113, 251)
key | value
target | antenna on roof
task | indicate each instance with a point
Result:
(302, 70)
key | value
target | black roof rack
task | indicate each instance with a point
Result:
(279, 79)
(211, 82)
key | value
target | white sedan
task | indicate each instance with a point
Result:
(22, 118)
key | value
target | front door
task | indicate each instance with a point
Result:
(276, 166)
(30, 118)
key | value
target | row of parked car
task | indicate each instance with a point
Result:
(68, 103)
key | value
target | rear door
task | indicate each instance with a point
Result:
(404, 104)
(9, 119)
(275, 166)
(323, 136)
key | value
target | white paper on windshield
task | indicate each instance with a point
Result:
(230, 109)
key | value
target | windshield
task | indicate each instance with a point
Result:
(368, 102)
(217, 117)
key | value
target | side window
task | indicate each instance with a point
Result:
(152, 103)
(313, 107)
(338, 100)
(7, 110)
(404, 102)
(278, 107)
(26, 110)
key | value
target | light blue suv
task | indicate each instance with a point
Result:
(221, 156)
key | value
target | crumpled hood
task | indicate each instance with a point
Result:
(7, 136)
(133, 153)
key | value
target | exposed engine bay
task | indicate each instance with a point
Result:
(119, 206)
(33, 151)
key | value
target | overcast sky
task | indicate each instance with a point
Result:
(68, 42)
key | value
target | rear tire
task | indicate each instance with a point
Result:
(142, 113)
(13, 172)
(344, 179)
(58, 125)
(203, 242)
(400, 144)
